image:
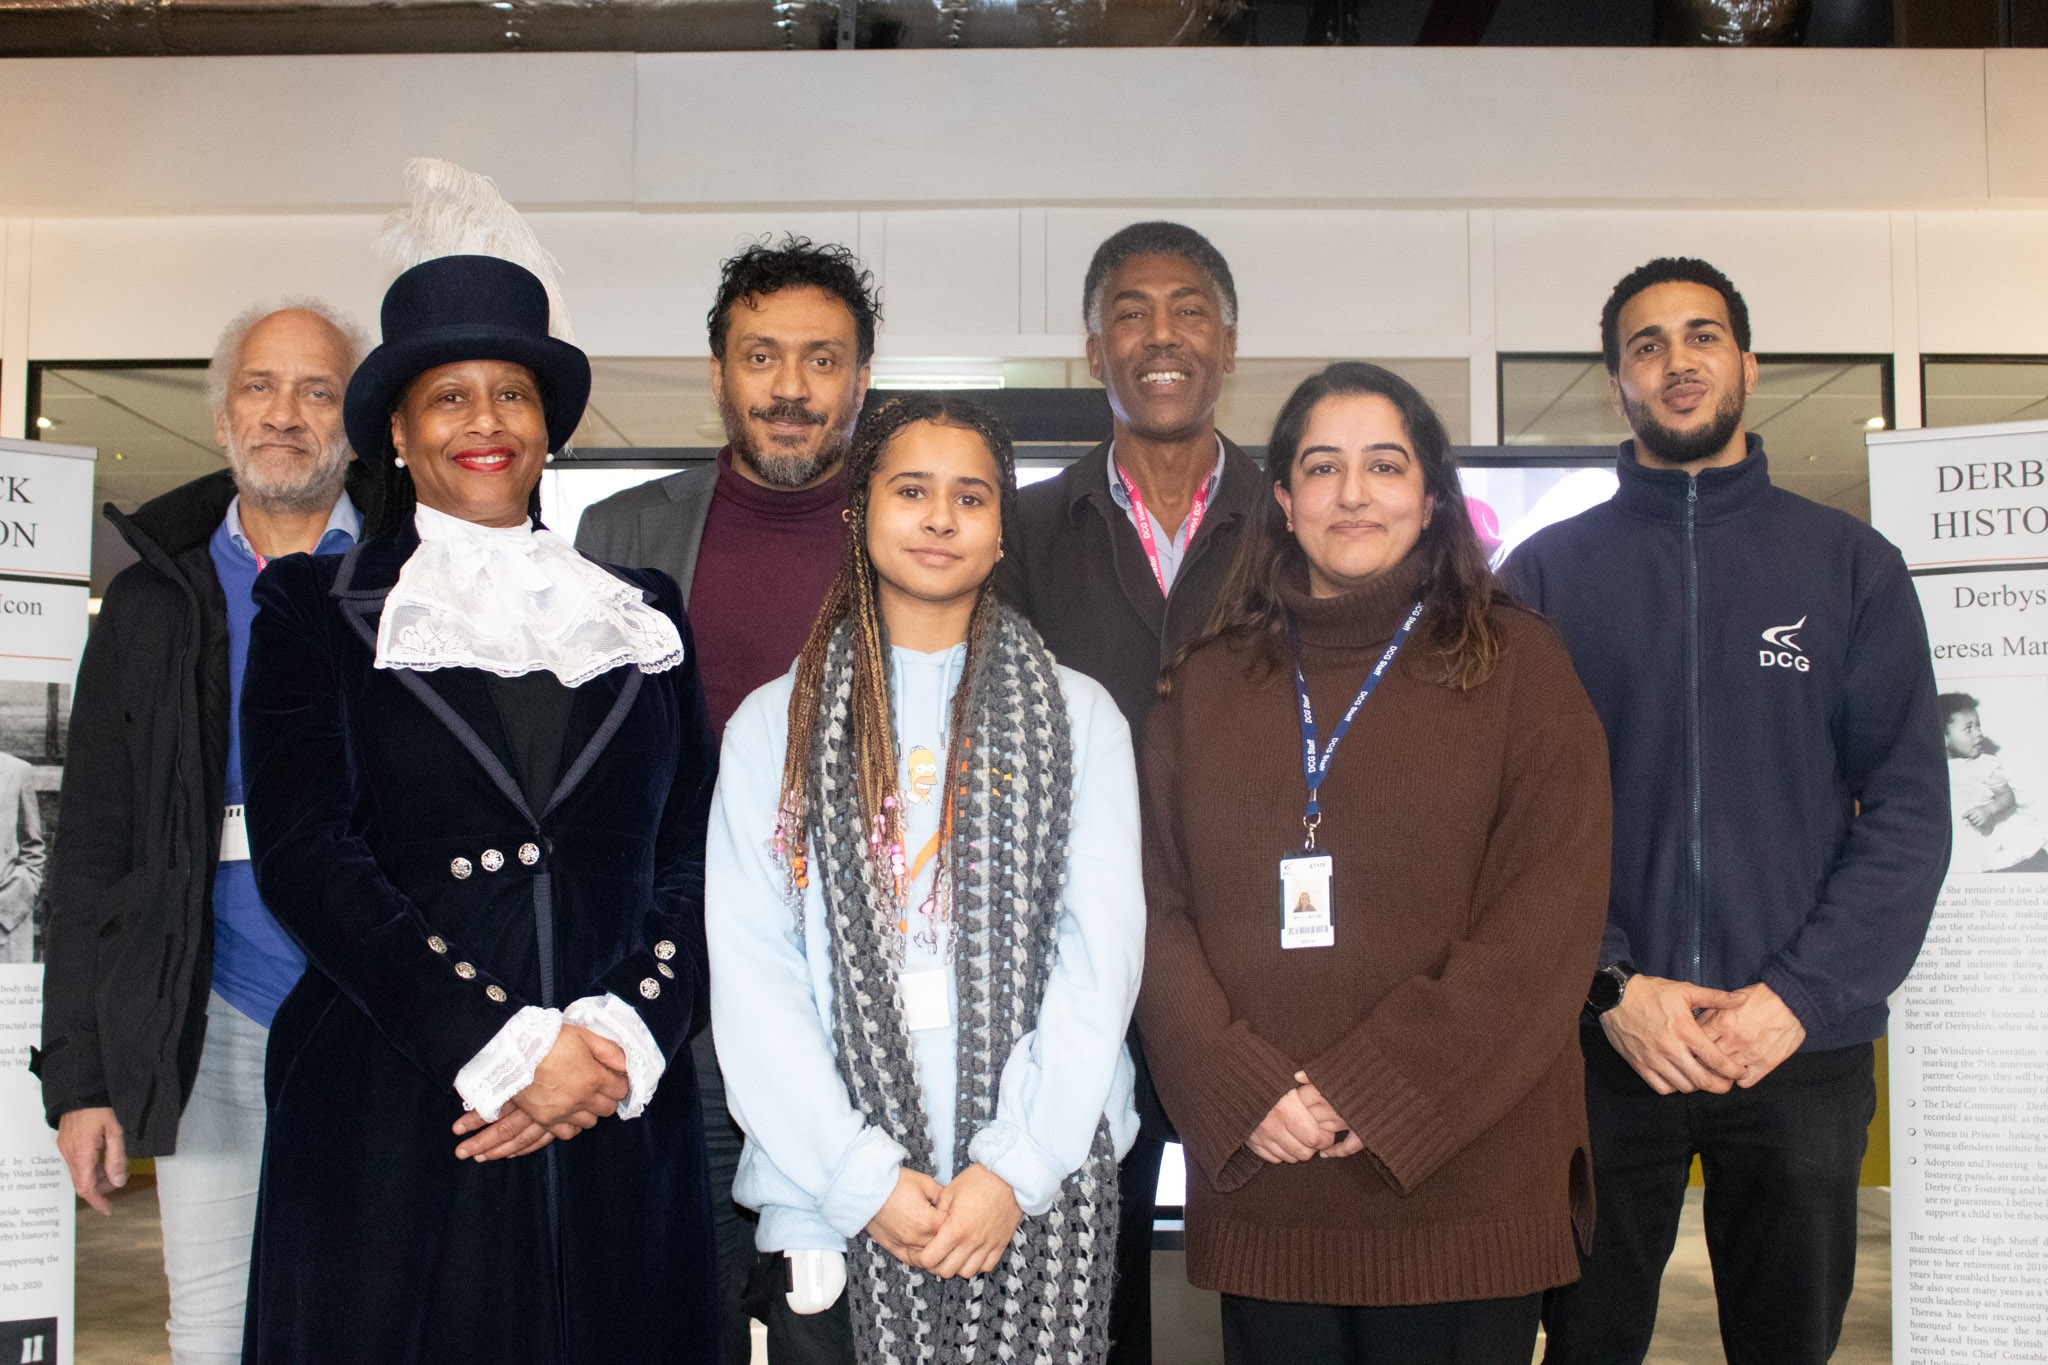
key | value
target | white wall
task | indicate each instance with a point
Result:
(1430, 202)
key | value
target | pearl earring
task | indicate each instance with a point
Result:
(398, 461)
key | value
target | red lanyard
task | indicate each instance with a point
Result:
(1145, 536)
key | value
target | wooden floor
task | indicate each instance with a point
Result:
(121, 1301)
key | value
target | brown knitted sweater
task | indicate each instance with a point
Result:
(1470, 834)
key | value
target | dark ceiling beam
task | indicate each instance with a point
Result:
(1456, 23)
(1947, 23)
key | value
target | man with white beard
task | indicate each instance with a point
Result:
(164, 967)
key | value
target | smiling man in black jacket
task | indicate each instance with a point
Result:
(1760, 664)
(165, 967)
(1118, 560)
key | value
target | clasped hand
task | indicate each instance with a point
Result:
(1302, 1124)
(961, 1229)
(1682, 1038)
(581, 1080)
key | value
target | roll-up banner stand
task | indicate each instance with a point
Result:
(1968, 506)
(45, 580)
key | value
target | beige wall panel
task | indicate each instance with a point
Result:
(2016, 119)
(1308, 273)
(199, 133)
(949, 272)
(1813, 281)
(1983, 283)
(1329, 125)
(160, 288)
(639, 284)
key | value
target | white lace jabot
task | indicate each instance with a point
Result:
(514, 600)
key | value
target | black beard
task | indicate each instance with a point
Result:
(1684, 447)
(775, 467)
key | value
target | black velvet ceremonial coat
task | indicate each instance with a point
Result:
(379, 800)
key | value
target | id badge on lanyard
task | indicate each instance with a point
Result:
(234, 836)
(1307, 918)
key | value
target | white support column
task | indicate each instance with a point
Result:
(1906, 396)
(15, 240)
(1484, 376)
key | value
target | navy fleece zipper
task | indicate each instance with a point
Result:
(1692, 643)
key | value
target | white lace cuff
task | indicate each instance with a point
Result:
(506, 1064)
(610, 1017)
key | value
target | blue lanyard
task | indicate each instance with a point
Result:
(1314, 767)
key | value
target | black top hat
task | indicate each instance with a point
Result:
(456, 308)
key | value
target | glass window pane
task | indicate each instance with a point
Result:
(154, 430)
(655, 401)
(1966, 391)
(1253, 395)
(151, 426)
(1812, 412)
(1557, 401)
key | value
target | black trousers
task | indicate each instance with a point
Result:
(798, 1338)
(1130, 1304)
(1474, 1332)
(1781, 1162)
(731, 1228)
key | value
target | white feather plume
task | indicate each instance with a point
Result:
(456, 212)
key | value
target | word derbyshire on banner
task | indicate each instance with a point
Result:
(1969, 1031)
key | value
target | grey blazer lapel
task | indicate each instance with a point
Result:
(654, 525)
(674, 533)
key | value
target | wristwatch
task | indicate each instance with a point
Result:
(1608, 984)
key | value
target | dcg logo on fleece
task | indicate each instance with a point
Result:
(1784, 651)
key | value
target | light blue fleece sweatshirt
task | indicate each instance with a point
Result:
(812, 1166)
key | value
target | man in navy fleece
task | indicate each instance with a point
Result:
(1781, 830)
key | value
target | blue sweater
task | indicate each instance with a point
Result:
(1760, 664)
(255, 963)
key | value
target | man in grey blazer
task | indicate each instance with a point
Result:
(754, 542)
(21, 859)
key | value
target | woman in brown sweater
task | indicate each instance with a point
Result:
(1380, 1091)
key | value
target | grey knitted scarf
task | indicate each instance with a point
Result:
(1048, 1301)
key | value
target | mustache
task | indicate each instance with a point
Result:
(301, 444)
(789, 410)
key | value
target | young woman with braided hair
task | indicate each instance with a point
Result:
(926, 928)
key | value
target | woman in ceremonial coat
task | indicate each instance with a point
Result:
(479, 775)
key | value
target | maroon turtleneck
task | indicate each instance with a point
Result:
(767, 557)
